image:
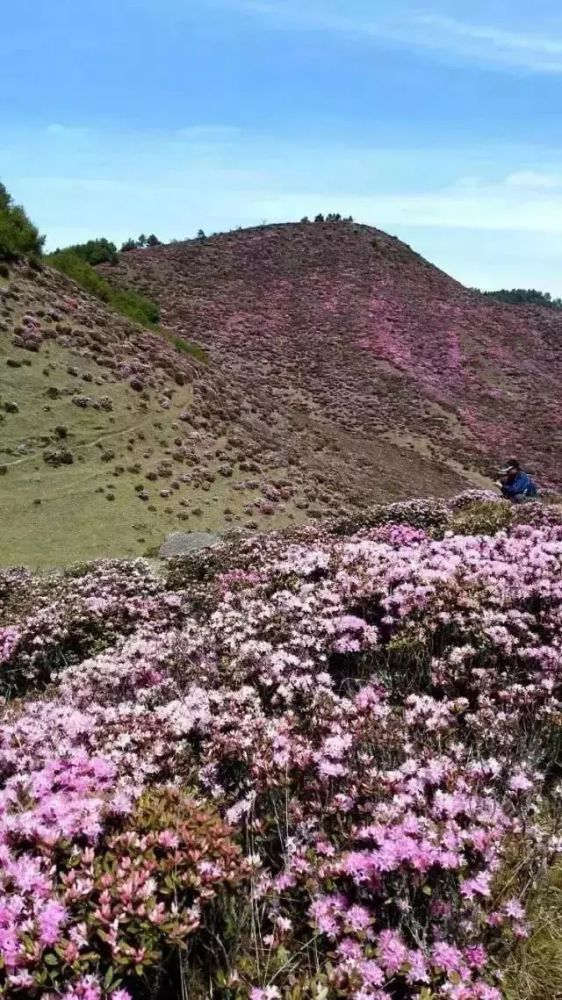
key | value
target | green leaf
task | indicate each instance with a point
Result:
(108, 978)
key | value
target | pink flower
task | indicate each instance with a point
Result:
(392, 951)
(514, 909)
(51, 919)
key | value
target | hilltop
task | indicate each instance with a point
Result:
(409, 378)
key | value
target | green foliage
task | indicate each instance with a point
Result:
(124, 300)
(137, 307)
(201, 235)
(18, 235)
(331, 217)
(525, 297)
(485, 518)
(100, 251)
(142, 242)
(195, 350)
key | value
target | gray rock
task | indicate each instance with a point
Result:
(181, 543)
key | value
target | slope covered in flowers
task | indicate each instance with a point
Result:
(316, 764)
(345, 329)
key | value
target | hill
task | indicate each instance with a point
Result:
(407, 379)
(337, 369)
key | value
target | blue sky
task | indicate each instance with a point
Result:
(439, 121)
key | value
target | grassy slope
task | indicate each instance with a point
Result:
(52, 516)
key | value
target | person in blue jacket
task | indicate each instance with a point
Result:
(515, 484)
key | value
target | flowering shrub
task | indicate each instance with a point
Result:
(376, 718)
(97, 888)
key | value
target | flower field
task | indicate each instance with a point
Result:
(306, 765)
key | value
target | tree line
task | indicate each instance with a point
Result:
(524, 297)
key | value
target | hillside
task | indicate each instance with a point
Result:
(341, 369)
(343, 330)
(106, 441)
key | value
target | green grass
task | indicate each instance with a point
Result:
(195, 350)
(58, 516)
(123, 300)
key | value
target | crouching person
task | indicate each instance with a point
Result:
(516, 485)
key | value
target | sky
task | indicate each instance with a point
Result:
(439, 121)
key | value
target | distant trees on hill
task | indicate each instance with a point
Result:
(18, 235)
(331, 217)
(140, 243)
(525, 297)
(100, 251)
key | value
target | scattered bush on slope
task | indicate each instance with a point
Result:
(364, 731)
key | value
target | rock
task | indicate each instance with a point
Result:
(11, 407)
(181, 543)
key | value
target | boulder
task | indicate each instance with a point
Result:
(181, 543)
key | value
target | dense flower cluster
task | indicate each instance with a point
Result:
(374, 717)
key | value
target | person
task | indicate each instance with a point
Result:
(515, 484)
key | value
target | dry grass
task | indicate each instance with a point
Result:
(535, 970)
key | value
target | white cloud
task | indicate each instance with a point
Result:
(502, 207)
(436, 199)
(534, 180)
(487, 44)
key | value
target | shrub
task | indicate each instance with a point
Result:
(18, 235)
(121, 900)
(484, 518)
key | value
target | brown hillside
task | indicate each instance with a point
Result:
(371, 364)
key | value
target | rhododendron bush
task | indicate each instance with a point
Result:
(324, 767)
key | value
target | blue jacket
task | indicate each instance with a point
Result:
(521, 484)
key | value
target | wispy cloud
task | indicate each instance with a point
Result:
(494, 44)
(488, 44)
